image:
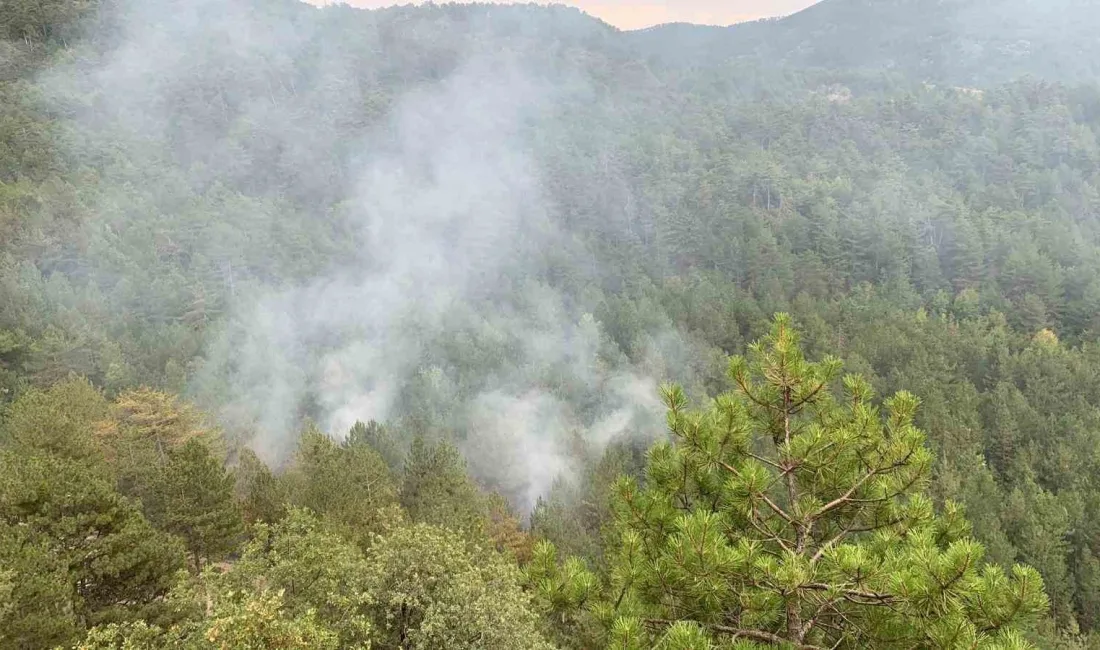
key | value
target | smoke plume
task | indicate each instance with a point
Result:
(438, 310)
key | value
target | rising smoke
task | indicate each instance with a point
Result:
(443, 317)
(453, 218)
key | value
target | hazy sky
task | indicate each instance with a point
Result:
(632, 14)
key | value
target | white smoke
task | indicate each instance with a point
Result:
(453, 217)
(445, 312)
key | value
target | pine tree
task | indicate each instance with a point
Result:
(504, 530)
(380, 438)
(349, 485)
(117, 563)
(192, 497)
(262, 494)
(149, 426)
(785, 516)
(160, 420)
(438, 491)
(37, 599)
(63, 420)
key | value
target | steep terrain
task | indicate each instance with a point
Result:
(249, 228)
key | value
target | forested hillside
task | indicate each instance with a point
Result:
(479, 326)
(968, 42)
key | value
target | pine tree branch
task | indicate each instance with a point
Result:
(829, 544)
(813, 620)
(958, 576)
(996, 626)
(802, 402)
(848, 593)
(767, 533)
(765, 461)
(767, 500)
(739, 633)
(779, 511)
(847, 496)
(880, 526)
(745, 389)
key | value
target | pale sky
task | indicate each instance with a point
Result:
(633, 14)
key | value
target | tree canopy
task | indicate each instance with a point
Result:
(485, 234)
(785, 514)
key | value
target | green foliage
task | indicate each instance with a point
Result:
(63, 420)
(432, 590)
(37, 597)
(382, 439)
(250, 623)
(437, 490)
(575, 515)
(192, 497)
(350, 485)
(317, 573)
(294, 586)
(262, 494)
(298, 584)
(785, 515)
(147, 428)
(921, 208)
(117, 565)
(564, 590)
(260, 622)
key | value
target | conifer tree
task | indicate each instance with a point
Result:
(438, 491)
(36, 597)
(63, 420)
(159, 420)
(380, 438)
(148, 426)
(118, 564)
(505, 531)
(262, 494)
(786, 516)
(192, 497)
(348, 485)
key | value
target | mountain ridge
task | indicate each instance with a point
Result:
(967, 42)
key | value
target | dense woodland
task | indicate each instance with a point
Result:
(871, 230)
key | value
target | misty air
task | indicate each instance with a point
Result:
(514, 326)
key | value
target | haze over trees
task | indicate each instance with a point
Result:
(481, 326)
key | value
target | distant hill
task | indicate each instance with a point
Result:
(959, 41)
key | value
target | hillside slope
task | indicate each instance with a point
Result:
(503, 226)
(974, 42)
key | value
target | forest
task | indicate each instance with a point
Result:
(494, 326)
